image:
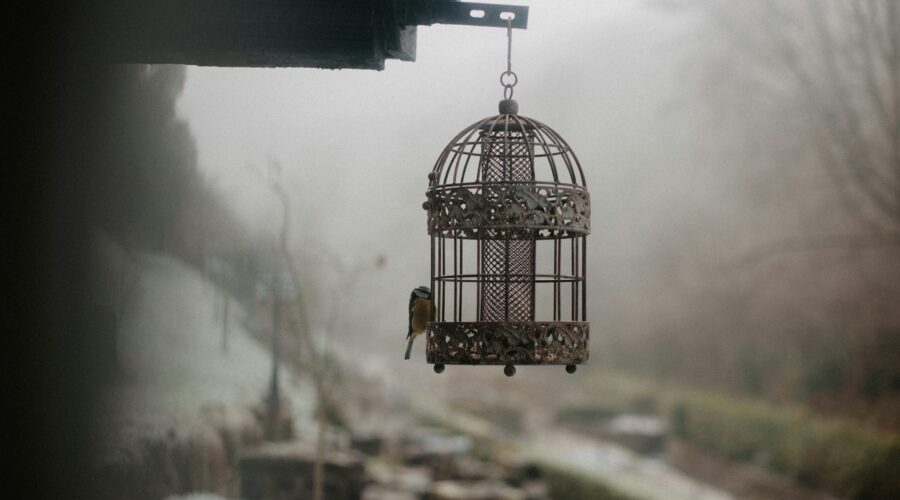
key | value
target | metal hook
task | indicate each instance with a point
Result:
(506, 75)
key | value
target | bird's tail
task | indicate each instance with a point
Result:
(409, 347)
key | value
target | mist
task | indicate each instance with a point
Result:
(255, 234)
(355, 146)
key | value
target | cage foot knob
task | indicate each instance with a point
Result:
(438, 368)
(571, 368)
(509, 370)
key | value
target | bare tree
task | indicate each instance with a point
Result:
(834, 65)
(316, 357)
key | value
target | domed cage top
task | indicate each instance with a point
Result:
(508, 215)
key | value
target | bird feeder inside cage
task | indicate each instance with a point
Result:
(508, 215)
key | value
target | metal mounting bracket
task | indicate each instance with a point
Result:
(472, 14)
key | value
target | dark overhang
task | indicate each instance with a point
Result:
(297, 33)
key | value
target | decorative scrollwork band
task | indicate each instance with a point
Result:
(503, 343)
(490, 211)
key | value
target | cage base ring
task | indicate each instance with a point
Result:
(508, 343)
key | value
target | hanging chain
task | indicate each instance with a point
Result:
(508, 79)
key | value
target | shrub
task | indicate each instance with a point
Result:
(845, 459)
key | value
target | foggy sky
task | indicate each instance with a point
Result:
(357, 145)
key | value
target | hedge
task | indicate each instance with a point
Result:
(840, 457)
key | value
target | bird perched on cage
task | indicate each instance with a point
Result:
(421, 311)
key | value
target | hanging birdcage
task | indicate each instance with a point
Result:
(508, 215)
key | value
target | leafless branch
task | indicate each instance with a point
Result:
(814, 56)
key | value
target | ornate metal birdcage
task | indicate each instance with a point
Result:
(508, 215)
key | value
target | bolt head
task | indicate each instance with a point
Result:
(571, 368)
(509, 370)
(438, 368)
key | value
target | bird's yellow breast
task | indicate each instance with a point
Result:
(422, 313)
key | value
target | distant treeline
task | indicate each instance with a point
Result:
(835, 455)
(845, 459)
(808, 331)
(784, 281)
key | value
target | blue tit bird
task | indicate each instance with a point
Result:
(421, 311)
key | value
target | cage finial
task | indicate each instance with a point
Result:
(509, 107)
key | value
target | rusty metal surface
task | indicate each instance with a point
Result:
(468, 211)
(508, 214)
(504, 343)
(551, 158)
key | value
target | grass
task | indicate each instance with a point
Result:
(839, 456)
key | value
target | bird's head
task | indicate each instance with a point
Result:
(423, 292)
